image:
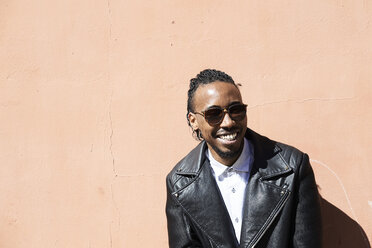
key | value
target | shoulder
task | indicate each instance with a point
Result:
(291, 155)
(188, 166)
(277, 151)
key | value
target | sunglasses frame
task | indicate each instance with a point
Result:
(224, 111)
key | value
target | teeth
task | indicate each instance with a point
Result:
(229, 137)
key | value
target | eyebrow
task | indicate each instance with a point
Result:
(217, 106)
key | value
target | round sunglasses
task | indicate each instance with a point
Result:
(215, 115)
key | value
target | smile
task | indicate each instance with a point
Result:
(228, 137)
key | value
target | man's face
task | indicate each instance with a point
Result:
(225, 140)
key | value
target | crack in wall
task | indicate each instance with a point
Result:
(346, 196)
(115, 204)
(113, 169)
(111, 135)
(110, 236)
(341, 184)
(117, 210)
(109, 17)
(300, 101)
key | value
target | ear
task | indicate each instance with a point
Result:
(193, 121)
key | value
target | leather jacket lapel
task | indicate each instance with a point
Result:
(207, 209)
(266, 193)
(264, 201)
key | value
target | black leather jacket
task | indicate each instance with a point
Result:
(281, 206)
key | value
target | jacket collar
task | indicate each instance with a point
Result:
(268, 160)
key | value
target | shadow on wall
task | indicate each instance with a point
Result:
(339, 230)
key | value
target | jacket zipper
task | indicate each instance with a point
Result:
(284, 199)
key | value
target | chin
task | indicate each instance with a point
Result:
(226, 154)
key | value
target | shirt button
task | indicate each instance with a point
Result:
(236, 219)
(233, 190)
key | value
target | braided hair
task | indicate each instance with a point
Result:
(204, 77)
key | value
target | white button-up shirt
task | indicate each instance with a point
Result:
(232, 181)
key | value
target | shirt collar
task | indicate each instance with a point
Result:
(242, 164)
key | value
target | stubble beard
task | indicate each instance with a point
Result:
(228, 154)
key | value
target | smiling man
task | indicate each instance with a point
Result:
(238, 188)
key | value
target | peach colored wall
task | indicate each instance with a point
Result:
(93, 99)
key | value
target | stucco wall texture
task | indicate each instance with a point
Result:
(93, 105)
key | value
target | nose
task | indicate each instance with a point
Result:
(227, 121)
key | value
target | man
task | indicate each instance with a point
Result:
(238, 188)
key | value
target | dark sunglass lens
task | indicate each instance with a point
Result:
(213, 116)
(238, 111)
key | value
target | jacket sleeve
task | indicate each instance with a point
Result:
(180, 231)
(307, 230)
